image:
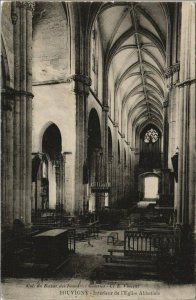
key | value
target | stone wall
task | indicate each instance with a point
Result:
(51, 43)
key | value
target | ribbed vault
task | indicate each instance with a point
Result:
(134, 43)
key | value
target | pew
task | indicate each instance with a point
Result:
(148, 252)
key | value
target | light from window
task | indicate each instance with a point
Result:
(151, 136)
(151, 187)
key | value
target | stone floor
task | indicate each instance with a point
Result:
(73, 280)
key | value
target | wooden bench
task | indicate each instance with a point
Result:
(122, 269)
(111, 251)
(112, 237)
(126, 259)
(145, 253)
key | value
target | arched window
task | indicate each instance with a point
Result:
(150, 148)
(151, 136)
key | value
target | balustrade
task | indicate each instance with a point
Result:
(151, 243)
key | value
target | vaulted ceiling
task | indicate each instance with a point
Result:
(134, 43)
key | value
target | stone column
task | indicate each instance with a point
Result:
(81, 89)
(123, 174)
(23, 120)
(165, 132)
(172, 78)
(110, 179)
(7, 157)
(115, 163)
(17, 48)
(68, 195)
(165, 183)
(22, 21)
(105, 111)
(3, 162)
(36, 193)
(187, 118)
(29, 97)
(58, 186)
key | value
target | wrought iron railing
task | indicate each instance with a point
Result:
(151, 243)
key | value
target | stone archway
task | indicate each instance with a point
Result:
(95, 160)
(52, 147)
(48, 174)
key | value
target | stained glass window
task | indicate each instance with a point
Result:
(151, 136)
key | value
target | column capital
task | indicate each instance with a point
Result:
(105, 108)
(10, 92)
(30, 5)
(169, 71)
(82, 78)
(82, 83)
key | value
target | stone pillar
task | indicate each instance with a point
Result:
(22, 21)
(110, 179)
(29, 97)
(58, 185)
(3, 162)
(165, 183)
(23, 119)
(7, 157)
(187, 118)
(105, 110)
(81, 89)
(165, 132)
(16, 170)
(36, 185)
(172, 79)
(115, 163)
(123, 171)
(62, 181)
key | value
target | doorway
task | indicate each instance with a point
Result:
(151, 185)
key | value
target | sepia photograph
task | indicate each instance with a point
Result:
(98, 150)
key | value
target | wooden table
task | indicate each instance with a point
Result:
(51, 247)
